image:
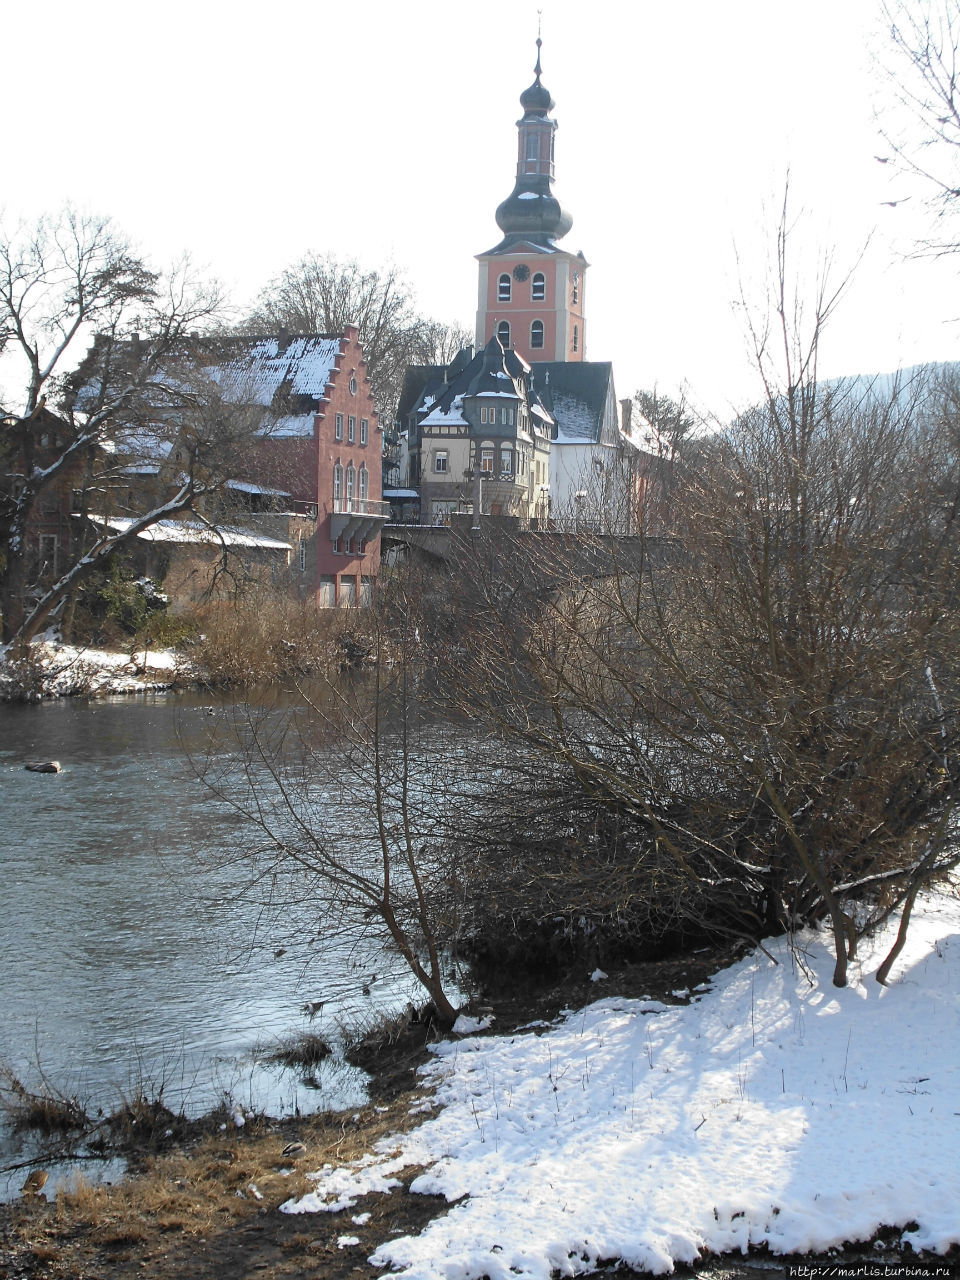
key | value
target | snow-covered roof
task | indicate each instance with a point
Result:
(453, 417)
(290, 425)
(576, 422)
(399, 494)
(192, 531)
(303, 367)
(244, 486)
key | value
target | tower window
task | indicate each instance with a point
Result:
(536, 334)
(503, 288)
(503, 332)
(538, 287)
(486, 459)
(576, 337)
(575, 292)
(440, 462)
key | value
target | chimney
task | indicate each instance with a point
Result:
(626, 414)
(283, 339)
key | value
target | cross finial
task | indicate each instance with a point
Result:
(539, 41)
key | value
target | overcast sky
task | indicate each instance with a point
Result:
(248, 134)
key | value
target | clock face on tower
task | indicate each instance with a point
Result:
(521, 272)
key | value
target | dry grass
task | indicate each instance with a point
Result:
(305, 1049)
(271, 636)
(221, 1181)
(46, 1109)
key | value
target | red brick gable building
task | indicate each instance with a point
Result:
(321, 446)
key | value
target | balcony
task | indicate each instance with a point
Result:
(361, 507)
(357, 517)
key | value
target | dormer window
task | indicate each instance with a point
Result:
(503, 288)
(536, 335)
(538, 287)
(503, 332)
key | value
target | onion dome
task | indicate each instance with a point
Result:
(536, 100)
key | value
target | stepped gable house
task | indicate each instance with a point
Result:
(303, 506)
(532, 304)
(321, 448)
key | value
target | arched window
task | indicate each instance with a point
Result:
(536, 334)
(503, 333)
(337, 482)
(351, 485)
(538, 287)
(503, 288)
(575, 292)
(362, 476)
(576, 337)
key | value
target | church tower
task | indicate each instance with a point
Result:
(531, 290)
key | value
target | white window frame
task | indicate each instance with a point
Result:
(351, 429)
(337, 482)
(353, 384)
(362, 483)
(506, 461)
(488, 455)
(351, 484)
(364, 428)
(338, 427)
(440, 460)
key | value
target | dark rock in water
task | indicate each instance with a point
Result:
(44, 766)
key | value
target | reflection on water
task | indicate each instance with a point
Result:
(121, 963)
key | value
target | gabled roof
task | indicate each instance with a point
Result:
(492, 372)
(260, 368)
(579, 394)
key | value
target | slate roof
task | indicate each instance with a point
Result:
(577, 393)
(491, 372)
(301, 366)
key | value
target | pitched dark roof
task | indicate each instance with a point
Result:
(577, 394)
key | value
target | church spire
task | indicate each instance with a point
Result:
(531, 211)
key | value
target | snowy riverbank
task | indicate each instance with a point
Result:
(55, 670)
(774, 1110)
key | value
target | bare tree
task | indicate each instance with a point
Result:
(923, 127)
(350, 792)
(758, 719)
(322, 294)
(63, 281)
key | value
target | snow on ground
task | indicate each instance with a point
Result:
(775, 1110)
(65, 669)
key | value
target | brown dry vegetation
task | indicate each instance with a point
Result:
(189, 1214)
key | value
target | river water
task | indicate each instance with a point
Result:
(124, 963)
